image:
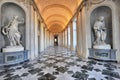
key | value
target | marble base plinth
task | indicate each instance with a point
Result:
(103, 54)
(105, 46)
(13, 49)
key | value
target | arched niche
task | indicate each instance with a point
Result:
(107, 13)
(8, 11)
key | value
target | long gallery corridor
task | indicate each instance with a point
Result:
(57, 63)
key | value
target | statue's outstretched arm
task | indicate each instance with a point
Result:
(9, 24)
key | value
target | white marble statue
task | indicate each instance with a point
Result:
(100, 31)
(100, 34)
(12, 33)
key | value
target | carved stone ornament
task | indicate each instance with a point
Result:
(96, 1)
(89, 3)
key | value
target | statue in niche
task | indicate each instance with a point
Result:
(100, 31)
(100, 34)
(12, 33)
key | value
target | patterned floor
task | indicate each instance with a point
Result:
(56, 63)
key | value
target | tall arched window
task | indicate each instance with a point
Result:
(69, 36)
(66, 37)
(74, 34)
(63, 38)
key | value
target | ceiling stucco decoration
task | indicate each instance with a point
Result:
(57, 13)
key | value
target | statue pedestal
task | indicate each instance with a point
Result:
(102, 46)
(103, 54)
(13, 49)
(11, 58)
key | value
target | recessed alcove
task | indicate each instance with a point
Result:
(102, 54)
(106, 12)
(8, 11)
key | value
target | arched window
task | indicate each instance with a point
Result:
(74, 34)
(69, 36)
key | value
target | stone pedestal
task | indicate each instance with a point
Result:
(10, 58)
(13, 49)
(102, 46)
(103, 54)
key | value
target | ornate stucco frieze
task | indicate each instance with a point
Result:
(96, 1)
(25, 2)
(89, 3)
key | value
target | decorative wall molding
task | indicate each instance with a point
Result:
(89, 3)
(96, 1)
(21, 0)
(24, 2)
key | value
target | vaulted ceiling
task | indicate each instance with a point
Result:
(57, 13)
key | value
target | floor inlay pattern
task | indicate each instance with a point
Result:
(57, 63)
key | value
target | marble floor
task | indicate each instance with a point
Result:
(57, 63)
